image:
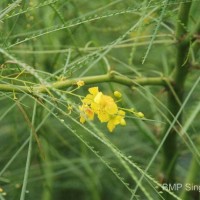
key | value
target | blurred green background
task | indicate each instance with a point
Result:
(78, 38)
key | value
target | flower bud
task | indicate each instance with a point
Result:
(117, 94)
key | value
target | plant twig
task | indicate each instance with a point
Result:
(110, 77)
(179, 76)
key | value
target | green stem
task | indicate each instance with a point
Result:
(111, 77)
(179, 76)
(28, 160)
(48, 171)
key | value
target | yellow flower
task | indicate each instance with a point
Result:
(104, 107)
(101, 104)
(117, 94)
(115, 120)
(80, 83)
(86, 113)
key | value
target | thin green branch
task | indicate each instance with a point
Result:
(28, 160)
(110, 77)
(9, 8)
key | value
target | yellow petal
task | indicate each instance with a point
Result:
(123, 122)
(95, 107)
(98, 97)
(86, 113)
(110, 126)
(111, 109)
(108, 104)
(103, 116)
(121, 113)
(90, 114)
(88, 99)
(93, 90)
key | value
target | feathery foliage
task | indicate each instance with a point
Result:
(99, 100)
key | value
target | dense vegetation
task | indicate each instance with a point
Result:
(99, 100)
